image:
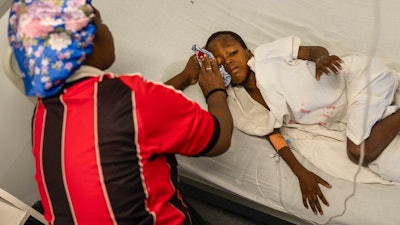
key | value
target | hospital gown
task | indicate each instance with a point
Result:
(331, 109)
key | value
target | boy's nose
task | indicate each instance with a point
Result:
(228, 62)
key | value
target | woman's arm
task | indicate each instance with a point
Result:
(323, 61)
(311, 193)
(212, 86)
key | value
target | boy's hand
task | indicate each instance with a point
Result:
(326, 64)
(311, 193)
(192, 69)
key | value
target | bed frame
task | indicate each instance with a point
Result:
(201, 189)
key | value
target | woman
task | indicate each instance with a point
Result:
(105, 144)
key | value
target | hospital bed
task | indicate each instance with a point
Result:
(252, 176)
(249, 175)
(155, 38)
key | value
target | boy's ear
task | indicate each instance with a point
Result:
(249, 53)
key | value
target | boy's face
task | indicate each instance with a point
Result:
(232, 56)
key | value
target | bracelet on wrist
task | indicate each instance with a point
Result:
(215, 90)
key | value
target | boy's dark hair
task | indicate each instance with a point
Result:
(230, 33)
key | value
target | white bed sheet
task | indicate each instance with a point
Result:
(248, 170)
(251, 170)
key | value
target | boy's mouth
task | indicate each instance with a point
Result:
(233, 70)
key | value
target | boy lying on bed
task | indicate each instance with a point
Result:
(288, 90)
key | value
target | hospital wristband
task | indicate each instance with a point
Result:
(277, 141)
(215, 90)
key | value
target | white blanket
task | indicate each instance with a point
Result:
(318, 115)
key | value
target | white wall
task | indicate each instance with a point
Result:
(4, 5)
(16, 160)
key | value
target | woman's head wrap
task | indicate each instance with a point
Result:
(50, 40)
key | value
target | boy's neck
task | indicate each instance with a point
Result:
(250, 82)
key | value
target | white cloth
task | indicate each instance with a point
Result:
(248, 115)
(342, 104)
(359, 96)
(322, 147)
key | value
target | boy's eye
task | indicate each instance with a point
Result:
(233, 53)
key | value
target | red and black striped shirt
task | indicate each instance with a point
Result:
(104, 151)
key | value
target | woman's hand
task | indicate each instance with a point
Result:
(310, 190)
(326, 64)
(210, 77)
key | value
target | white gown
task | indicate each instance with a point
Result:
(312, 112)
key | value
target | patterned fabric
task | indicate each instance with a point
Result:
(50, 40)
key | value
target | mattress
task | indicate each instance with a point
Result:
(250, 173)
(250, 170)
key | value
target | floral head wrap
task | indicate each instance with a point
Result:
(50, 40)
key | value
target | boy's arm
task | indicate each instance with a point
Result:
(188, 76)
(323, 61)
(311, 193)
